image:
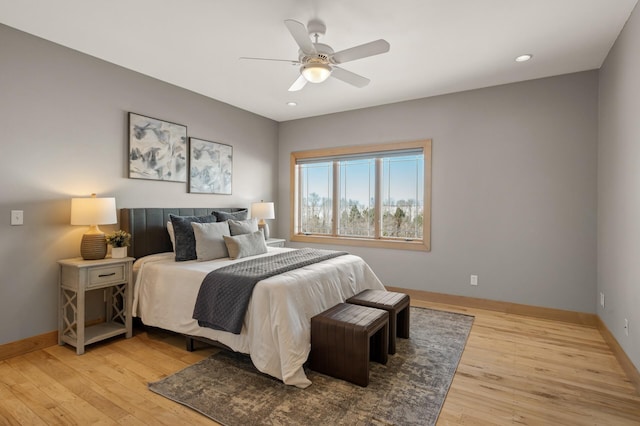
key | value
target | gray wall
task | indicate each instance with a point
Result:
(64, 134)
(514, 175)
(514, 188)
(619, 189)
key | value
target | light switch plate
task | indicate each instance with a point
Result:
(17, 217)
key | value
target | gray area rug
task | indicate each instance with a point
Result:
(409, 390)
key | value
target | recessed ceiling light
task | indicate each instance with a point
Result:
(524, 58)
(292, 104)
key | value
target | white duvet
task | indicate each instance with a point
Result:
(276, 330)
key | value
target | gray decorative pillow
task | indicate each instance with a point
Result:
(222, 216)
(245, 245)
(239, 227)
(185, 246)
(209, 240)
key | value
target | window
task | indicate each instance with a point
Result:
(374, 195)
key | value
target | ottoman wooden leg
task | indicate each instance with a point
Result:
(380, 344)
(393, 324)
(361, 362)
(403, 323)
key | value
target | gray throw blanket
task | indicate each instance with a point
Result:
(224, 294)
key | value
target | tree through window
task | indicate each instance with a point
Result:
(375, 195)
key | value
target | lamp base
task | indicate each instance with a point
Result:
(93, 246)
(265, 229)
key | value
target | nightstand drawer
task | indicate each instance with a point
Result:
(106, 275)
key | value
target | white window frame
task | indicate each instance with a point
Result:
(423, 244)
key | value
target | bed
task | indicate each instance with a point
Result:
(276, 328)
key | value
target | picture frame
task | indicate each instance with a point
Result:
(157, 149)
(210, 167)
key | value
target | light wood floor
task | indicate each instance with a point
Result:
(514, 370)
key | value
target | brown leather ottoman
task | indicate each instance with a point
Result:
(397, 304)
(345, 337)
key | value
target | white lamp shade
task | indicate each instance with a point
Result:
(93, 211)
(316, 73)
(263, 210)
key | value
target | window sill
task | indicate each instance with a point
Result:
(363, 242)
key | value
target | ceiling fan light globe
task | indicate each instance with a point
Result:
(316, 73)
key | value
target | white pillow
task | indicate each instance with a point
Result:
(245, 245)
(210, 240)
(239, 227)
(172, 236)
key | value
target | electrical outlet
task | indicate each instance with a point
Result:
(473, 280)
(626, 327)
(601, 299)
(17, 217)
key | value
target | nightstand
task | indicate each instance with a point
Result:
(275, 242)
(77, 277)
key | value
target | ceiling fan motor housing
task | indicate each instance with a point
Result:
(322, 56)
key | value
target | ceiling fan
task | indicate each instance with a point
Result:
(318, 61)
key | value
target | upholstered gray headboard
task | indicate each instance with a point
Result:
(148, 227)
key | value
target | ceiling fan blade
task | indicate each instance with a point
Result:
(364, 50)
(301, 36)
(298, 84)
(291, 61)
(349, 77)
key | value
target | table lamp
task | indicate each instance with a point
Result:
(263, 211)
(93, 212)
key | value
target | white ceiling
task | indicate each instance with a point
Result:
(437, 46)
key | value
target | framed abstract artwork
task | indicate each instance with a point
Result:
(157, 149)
(211, 167)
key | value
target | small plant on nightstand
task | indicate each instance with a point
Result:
(119, 241)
